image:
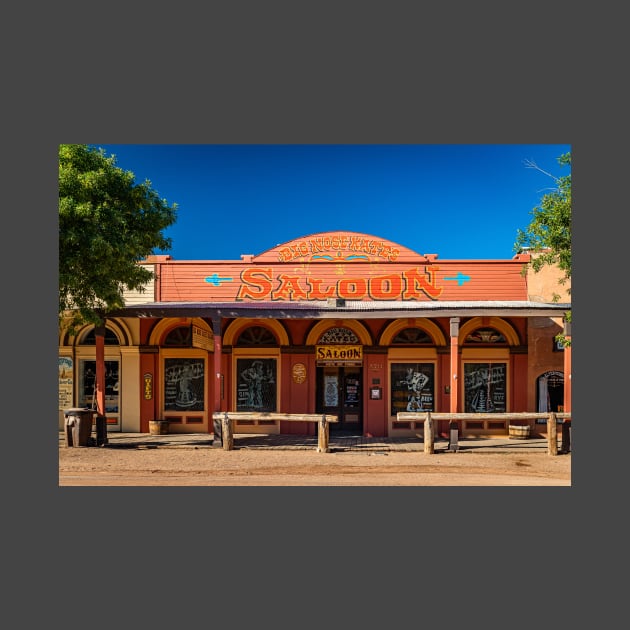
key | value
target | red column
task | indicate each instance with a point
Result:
(100, 370)
(217, 372)
(217, 430)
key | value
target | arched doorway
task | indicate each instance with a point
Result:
(339, 387)
(183, 395)
(550, 391)
(86, 376)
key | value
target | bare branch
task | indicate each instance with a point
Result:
(532, 164)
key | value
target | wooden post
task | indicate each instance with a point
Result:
(228, 434)
(566, 435)
(453, 432)
(428, 434)
(322, 435)
(552, 435)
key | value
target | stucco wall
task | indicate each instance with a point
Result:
(543, 284)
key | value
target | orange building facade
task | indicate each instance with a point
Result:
(341, 323)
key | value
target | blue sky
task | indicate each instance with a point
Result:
(456, 201)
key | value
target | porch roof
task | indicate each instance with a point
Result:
(344, 309)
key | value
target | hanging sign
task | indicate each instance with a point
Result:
(201, 338)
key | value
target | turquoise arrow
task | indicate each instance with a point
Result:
(216, 280)
(460, 277)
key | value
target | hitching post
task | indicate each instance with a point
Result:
(552, 435)
(322, 435)
(227, 433)
(452, 431)
(217, 442)
(428, 434)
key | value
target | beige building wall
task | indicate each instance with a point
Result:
(140, 297)
(131, 394)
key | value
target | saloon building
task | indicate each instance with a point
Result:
(341, 323)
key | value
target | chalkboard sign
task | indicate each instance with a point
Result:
(485, 387)
(413, 387)
(184, 385)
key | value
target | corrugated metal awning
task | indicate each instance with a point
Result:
(346, 309)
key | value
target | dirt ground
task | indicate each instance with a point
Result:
(86, 466)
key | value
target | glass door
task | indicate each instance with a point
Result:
(339, 393)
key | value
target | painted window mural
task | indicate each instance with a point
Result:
(183, 384)
(413, 387)
(485, 387)
(256, 385)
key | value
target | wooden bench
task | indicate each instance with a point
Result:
(550, 416)
(227, 418)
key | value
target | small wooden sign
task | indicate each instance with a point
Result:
(148, 386)
(202, 338)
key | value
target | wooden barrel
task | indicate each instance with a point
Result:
(519, 432)
(158, 427)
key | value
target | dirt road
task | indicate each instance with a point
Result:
(275, 467)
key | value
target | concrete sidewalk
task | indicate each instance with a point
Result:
(337, 443)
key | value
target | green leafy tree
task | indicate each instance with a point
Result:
(107, 224)
(549, 232)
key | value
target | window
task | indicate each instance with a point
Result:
(256, 336)
(110, 338)
(412, 387)
(256, 385)
(485, 387)
(409, 336)
(558, 346)
(184, 384)
(180, 337)
(485, 335)
(87, 380)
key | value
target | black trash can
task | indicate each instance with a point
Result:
(101, 430)
(78, 426)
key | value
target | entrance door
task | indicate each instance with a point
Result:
(551, 392)
(339, 393)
